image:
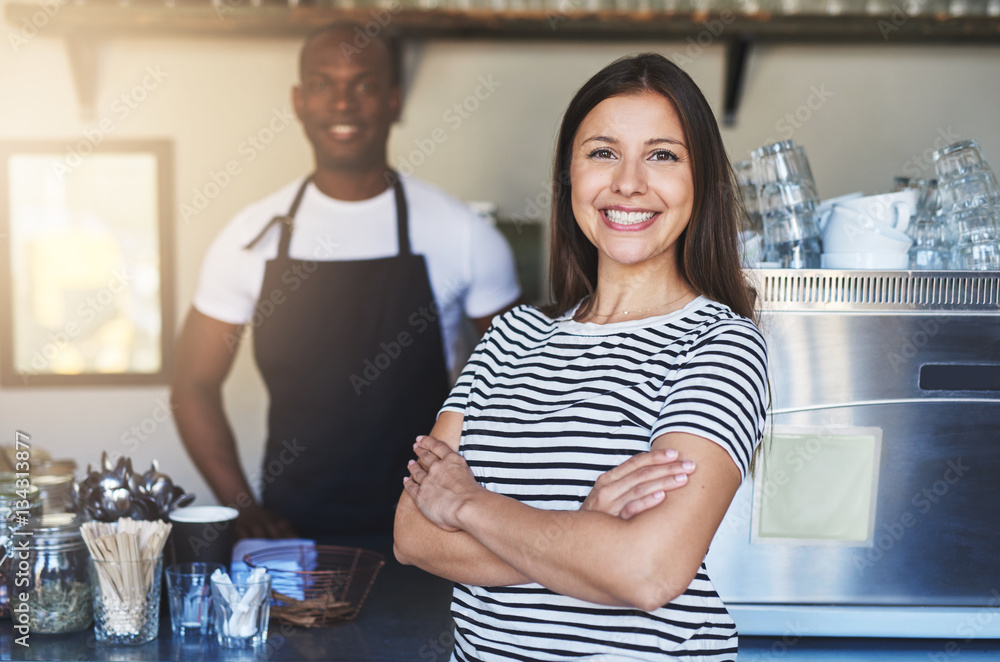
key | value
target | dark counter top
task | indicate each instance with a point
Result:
(406, 619)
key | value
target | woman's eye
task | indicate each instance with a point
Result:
(317, 86)
(601, 153)
(664, 155)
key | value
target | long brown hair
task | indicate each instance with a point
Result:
(708, 250)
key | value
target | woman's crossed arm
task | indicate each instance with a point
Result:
(628, 545)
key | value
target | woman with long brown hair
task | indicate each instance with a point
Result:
(541, 490)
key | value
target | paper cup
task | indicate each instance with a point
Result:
(202, 534)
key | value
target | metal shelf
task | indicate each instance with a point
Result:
(236, 18)
(84, 25)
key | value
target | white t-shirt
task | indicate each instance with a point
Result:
(470, 265)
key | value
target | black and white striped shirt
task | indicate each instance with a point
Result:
(549, 405)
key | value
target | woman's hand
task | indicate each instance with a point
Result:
(638, 484)
(440, 482)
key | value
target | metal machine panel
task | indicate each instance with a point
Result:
(918, 359)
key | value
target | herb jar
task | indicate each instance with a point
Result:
(56, 492)
(19, 500)
(56, 589)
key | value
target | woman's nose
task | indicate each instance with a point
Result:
(629, 179)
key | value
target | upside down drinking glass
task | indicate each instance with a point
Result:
(190, 592)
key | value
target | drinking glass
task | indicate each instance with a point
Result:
(240, 612)
(190, 592)
(977, 257)
(927, 195)
(748, 191)
(791, 239)
(787, 197)
(975, 226)
(931, 245)
(958, 160)
(973, 190)
(775, 196)
(783, 176)
(782, 161)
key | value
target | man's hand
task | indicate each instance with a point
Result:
(256, 522)
(638, 484)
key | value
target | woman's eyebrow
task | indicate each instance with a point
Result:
(668, 141)
(650, 142)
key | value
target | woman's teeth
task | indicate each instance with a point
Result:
(619, 217)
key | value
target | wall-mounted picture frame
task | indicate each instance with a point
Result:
(86, 262)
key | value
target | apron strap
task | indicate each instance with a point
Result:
(287, 221)
(402, 216)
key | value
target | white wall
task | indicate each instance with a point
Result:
(883, 108)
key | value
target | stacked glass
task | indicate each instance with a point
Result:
(970, 206)
(752, 234)
(786, 201)
(931, 242)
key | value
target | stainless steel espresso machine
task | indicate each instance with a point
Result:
(876, 508)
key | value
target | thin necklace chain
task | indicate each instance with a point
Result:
(640, 310)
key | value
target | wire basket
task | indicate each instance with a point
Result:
(317, 585)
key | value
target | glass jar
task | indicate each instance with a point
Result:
(18, 502)
(57, 589)
(54, 479)
(56, 493)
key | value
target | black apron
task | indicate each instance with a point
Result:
(352, 357)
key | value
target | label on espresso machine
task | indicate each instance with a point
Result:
(818, 486)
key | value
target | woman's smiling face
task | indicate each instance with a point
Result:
(632, 187)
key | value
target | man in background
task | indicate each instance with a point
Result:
(354, 281)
